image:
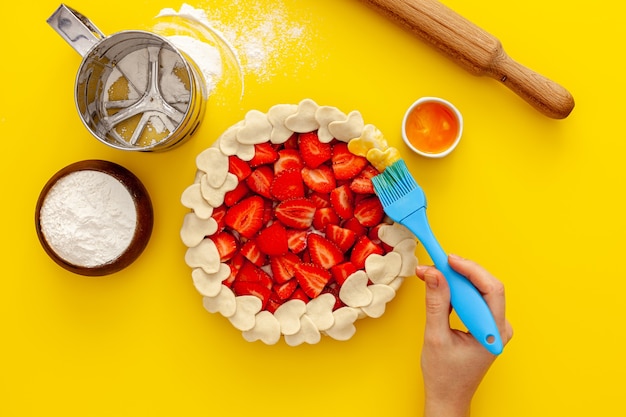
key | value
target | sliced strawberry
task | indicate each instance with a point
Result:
(299, 294)
(363, 248)
(226, 244)
(283, 267)
(323, 252)
(260, 180)
(354, 225)
(342, 271)
(286, 289)
(321, 200)
(296, 240)
(273, 303)
(292, 142)
(273, 240)
(314, 153)
(252, 273)
(250, 250)
(234, 196)
(296, 213)
(288, 159)
(252, 288)
(324, 216)
(287, 184)
(218, 215)
(369, 211)
(312, 278)
(238, 167)
(342, 200)
(320, 179)
(246, 217)
(345, 164)
(362, 183)
(343, 238)
(264, 154)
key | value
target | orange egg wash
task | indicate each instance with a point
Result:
(432, 127)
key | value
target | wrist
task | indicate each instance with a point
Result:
(446, 408)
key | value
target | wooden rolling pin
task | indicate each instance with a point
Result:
(477, 51)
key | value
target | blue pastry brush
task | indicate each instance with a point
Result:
(405, 202)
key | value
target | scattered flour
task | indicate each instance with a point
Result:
(261, 37)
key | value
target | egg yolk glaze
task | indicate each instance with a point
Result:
(431, 127)
(373, 146)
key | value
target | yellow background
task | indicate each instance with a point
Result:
(537, 201)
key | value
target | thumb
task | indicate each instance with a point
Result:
(437, 301)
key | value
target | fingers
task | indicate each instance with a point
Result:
(490, 287)
(437, 302)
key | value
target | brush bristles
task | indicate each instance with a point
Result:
(394, 183)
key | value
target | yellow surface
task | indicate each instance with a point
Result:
(537, 201)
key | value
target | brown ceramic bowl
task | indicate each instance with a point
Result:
(144, 214)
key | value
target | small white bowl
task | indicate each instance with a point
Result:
(449, 111)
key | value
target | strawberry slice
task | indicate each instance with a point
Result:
(260, 180)
(286, 289)
(320, 200)
(232, 197)
(343, 238)
(342, 271)
(296, 240)
(273, 240)
(299, 294)
(323, 217)
(362, 183)
(320, 179)
(246, 217)
(354, 225)
(323, 252)
(345, 164)
(226, 244)
(288, 159)
(264, 153)
(369, 211)
(250, 250)
(218, 215)
(296, 213)
(252, 273)
(314, 153)
(252, 288)
(283, 267)
(363, 248)
(238, 167)
(342, 200)
(287, 184)
(312, 279)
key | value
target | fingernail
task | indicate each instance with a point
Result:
(421, 268)
(453, 256)
(431, 280)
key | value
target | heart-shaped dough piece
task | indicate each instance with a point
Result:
(288, 315)
(383, 269)
(205, 256)
(350, 128)
(343, 327)
(308, 333)
(277, 115)
(304, 119)
(209, 285)
(320, 311)
(194, 229)
(326, 115)
(223, 303)
(266, 329)
(247, 308)
(354, 291)
(192, 198)
(214, 164)
(381, 295)
(256, 128)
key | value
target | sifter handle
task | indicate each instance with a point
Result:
(76, 29)
(477, 51)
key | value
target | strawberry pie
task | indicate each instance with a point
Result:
(285, 236)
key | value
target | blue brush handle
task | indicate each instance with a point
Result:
(469, 304)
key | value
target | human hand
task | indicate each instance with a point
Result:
(454, 362)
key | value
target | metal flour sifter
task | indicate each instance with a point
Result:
(134, 90)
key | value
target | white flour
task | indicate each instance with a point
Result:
(206, 57)
(88, 218)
